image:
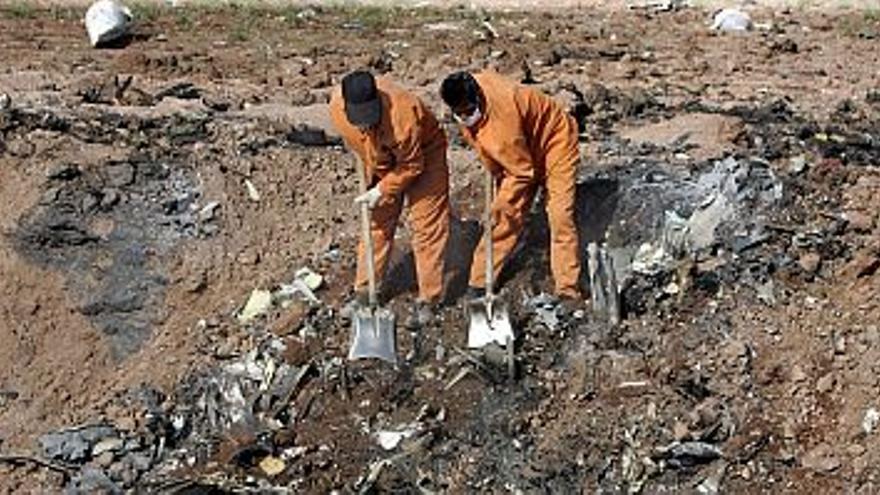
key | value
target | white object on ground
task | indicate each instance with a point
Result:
(107, 20)
(312, 280)
(259, 302)
(390, 439)
(732, 20)
(872, 417)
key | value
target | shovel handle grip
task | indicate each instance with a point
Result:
(367, 235)
(489, 185)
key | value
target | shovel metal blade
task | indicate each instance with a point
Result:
(373, 335)
(489, 322)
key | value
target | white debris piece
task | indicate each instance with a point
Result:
(312, 280)
(651, 259)
(732, 20)
(390, 439)
(253, 193)
(286, 292)
(869, 422)
(259, 302)
(106, 21)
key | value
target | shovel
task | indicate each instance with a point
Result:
(372, 327)
(488, 315)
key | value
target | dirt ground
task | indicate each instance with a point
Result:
(147, 189)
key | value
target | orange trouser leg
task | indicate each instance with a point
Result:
(561, 186)
(429, 220)
(383, 224)
(508, 221)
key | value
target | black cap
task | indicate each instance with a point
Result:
(460, 88)
(362, 105)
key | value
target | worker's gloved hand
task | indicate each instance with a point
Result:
(369, 198)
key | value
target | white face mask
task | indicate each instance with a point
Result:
(471, 120)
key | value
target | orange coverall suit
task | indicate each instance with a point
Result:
(405, 154)
(526, 140)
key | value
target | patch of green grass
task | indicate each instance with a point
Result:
(241, 32)
(20, 9)
(183, 18)
(857, 25)
(146, 12)
(291, 14)
(66, 13)
(375, 18)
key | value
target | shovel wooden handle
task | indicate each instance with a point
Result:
(489, 185)
(367, 236)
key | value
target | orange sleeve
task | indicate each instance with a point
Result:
(408, 154)
(519, 172)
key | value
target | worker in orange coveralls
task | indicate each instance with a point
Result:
(526, 140)
(403, 149)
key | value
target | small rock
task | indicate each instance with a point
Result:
(788, 430)
(810, 262)
(197, 282)
(66, 171)
(109, 198)
(249, 257)
(840, 345)
(858, 221)
(825, 384)
(797, 164)
(5, 101)
(821, 459)
(680, 431)
(766, 292)
(89, 203)
(797, 373)
(105, 459)
(123, 473)
(120, 174)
